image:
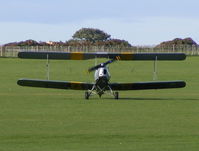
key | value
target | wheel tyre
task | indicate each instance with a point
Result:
(116, 95)
(86, 95)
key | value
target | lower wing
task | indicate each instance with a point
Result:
(55, 84)
(87, 86)
(147, 85)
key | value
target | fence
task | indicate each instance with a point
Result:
(12, 51)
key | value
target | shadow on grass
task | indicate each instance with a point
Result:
(147, 99)
(159, 99)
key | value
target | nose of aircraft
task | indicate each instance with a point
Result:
(102, 72)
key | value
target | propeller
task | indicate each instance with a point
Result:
(101, 65)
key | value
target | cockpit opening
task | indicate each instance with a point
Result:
(105, 71)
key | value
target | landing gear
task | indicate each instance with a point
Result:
(116, 95)
(96, 90)
(100, 95)
(87, 95)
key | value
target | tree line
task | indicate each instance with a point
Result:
(97, 37)
(83, 37)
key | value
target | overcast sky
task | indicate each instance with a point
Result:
(141, 22)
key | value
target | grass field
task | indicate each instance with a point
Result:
(34, 119)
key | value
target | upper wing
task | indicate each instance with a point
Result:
(55, 84)
(85, 56)
(147, 85)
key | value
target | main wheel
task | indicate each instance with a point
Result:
(86, 95)
(116, 94)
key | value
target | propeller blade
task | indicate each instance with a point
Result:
(101, 65)
(108, 62)
(94, 68)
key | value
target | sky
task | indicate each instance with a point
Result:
(140, 22)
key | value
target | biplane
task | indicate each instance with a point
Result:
(102, 83)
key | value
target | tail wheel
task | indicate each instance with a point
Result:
(116, 94)
(86, 95)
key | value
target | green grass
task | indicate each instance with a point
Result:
(34, 119)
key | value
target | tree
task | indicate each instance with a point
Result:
(177, 42)
(91, 34)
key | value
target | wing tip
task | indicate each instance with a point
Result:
(182, 84)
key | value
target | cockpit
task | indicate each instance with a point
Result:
(102, 72)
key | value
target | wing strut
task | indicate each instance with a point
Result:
(48, 67)
(155, 75)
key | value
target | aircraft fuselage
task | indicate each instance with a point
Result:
(102, 77)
